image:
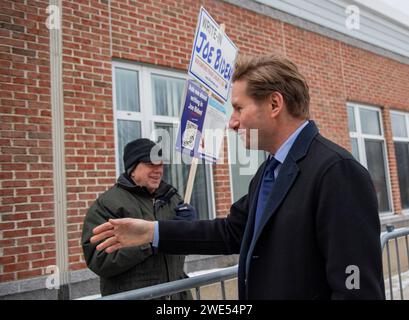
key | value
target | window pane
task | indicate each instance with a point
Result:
(244, 164)
(398, 125)
(127, 90)
(354, 148)
(351, 120)
(370, 121)
(199, 193)
(402, 160)
(167, 95)
(177, 174)
(127, 131)
(376, 167)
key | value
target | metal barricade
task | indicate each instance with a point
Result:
(167, 289)
(395, 238)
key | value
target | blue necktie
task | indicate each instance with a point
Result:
(265, 189)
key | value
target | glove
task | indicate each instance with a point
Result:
(185, 211)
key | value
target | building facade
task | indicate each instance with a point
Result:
(79, 79)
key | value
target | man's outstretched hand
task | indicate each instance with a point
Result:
(121, 233)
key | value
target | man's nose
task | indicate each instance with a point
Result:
(234, 124)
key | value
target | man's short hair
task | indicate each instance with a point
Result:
(272, 73)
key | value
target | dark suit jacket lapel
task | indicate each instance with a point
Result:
(254, 200)
(285, 179)
(253, 195)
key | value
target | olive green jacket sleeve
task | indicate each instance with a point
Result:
(103, 264)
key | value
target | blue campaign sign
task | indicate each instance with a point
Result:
(191, 123)
(213, 56)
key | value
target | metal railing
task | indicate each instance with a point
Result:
(394, 236)
(169, 288)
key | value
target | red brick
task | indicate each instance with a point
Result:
(6, 226)
(43, 263)
(41, 214)
(6, 192)
(29, 240)
(7, 277)
(27, 207)
(29, 257)
(13, 183)
(77, 266)
(14, 216)
(7, 243)
(43, 247)
(41, 183)
(29, 224)
(7, 260)
(27, 175)
(29, 274)
(14, 250)
(45, 230)
(73, 259)
(42, 198)
(49, 254)
(15, 233)
(28, 191)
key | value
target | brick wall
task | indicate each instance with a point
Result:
(157, 32)
(26, 204)
(89, 135)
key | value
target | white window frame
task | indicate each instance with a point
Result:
(406, 115)
(123, 115)
(401, 139)
(360, 137)
(146, 117)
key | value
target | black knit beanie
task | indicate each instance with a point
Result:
(139, 150)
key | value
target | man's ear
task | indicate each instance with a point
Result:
(276, 102)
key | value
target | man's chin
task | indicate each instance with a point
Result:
(248, 142)
(249, 145)
(155, 185)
